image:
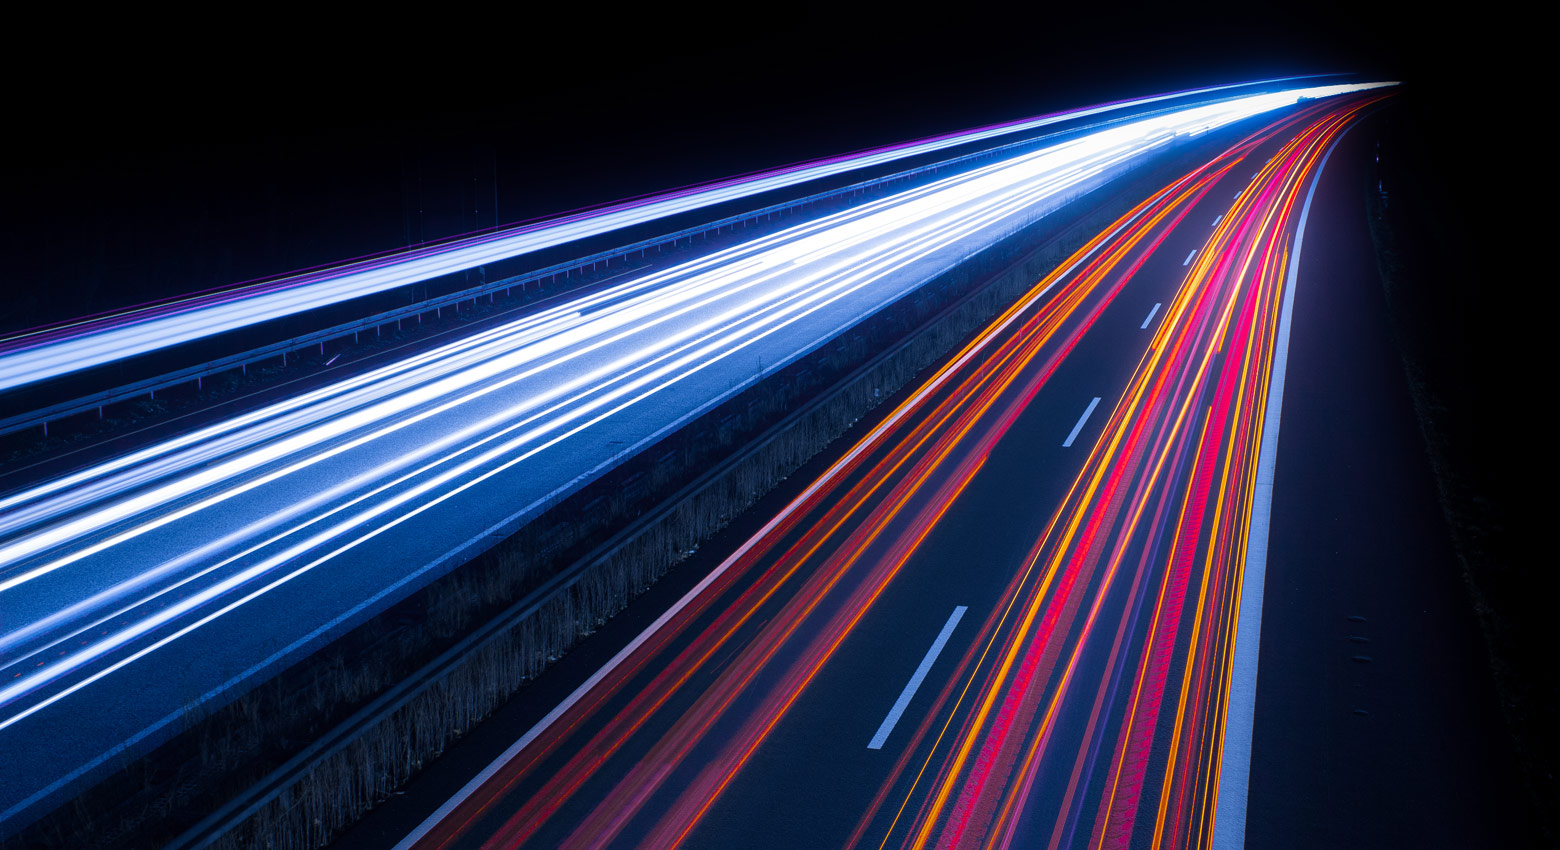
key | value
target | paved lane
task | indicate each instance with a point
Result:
(1005, 617)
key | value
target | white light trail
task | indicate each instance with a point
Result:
(49, 353)
(478, 406)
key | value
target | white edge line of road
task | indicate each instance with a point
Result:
(915, 680)
(579, 693)
(1067, 443)
(1229, 822)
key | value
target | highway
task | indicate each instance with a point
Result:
(1021, 611)
(183, 572)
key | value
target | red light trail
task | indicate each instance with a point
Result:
(1089, 708)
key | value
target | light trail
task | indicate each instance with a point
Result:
(1162, 503)
(1227, 309)
(333, 502)
(1088, 708)
(57, 350)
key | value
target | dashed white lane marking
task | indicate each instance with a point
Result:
(1082, 419)
(915, 680)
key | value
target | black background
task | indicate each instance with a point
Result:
(157, 156)
(152, 154)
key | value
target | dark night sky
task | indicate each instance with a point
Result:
(147, 161)
(164, 163)
(151, 156)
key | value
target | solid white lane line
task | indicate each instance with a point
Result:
(1217, 220)
(915, 681)
(1188, 260)
(1229, 823)
(1151, 314)
(1082, 419)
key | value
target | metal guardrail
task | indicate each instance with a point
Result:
(41, 417)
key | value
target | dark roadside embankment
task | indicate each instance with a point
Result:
(1378, 722)
(1437, 208)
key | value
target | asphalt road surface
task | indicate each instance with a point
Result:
(1022, 609)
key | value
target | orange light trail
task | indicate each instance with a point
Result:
(1138, 569)
(1194, 407)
